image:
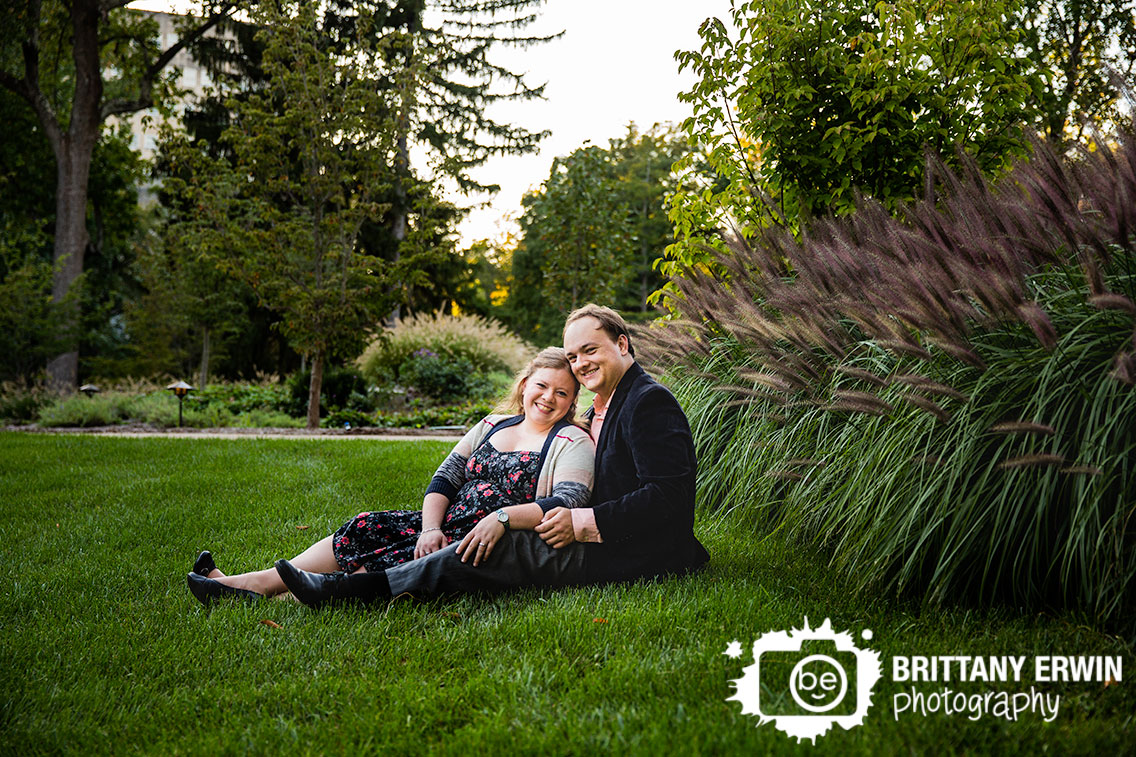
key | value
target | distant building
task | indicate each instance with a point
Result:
(144, 124)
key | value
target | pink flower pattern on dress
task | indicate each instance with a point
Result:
(382, 539)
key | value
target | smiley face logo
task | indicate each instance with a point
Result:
(818, 683)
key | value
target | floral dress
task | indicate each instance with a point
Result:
(381, 540)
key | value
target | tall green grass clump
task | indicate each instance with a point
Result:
(943, 401)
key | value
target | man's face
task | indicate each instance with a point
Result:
(598, 362)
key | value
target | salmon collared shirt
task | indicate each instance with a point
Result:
(584, 518)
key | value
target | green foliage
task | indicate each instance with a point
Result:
(1085, 51)
(214, 406)
(944, 403)
(443, 379)
(577, 226)
(811, 103)
(485, 344)
(243, 398)
(310, 162)
(593, 231)
(21, 402)
(343, 388)
(348, 419)
(32, 328)
(35, 329)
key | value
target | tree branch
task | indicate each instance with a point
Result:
(28, 88)
(145, 97)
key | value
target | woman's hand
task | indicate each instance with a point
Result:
(479, 542)
(430, 541)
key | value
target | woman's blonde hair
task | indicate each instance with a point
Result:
(549, 357)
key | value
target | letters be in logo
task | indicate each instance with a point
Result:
(806, 680)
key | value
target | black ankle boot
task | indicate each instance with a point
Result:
(318, 589)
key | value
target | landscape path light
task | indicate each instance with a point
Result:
(89, 389)
(180, 389)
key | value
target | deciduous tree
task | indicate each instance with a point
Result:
(77, 64)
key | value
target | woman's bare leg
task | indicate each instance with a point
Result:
(318, 558)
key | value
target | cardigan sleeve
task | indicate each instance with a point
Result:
(450, 475)
(572, 474)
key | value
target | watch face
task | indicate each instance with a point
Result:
(502, 516)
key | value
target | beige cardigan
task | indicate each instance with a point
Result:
(566, 472)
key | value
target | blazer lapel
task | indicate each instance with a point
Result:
(617, 398)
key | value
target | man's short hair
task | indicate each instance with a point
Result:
(610, 321)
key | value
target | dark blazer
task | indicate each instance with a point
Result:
(643, 495)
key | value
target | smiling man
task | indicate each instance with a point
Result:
(645, 465)
(640, 524)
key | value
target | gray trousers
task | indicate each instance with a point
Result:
(519, 559)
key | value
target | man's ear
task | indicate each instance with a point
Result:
(624, 344)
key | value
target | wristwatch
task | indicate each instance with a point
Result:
(503, 519)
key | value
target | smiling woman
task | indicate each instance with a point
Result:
(504, 474)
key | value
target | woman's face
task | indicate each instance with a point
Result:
(548, 395)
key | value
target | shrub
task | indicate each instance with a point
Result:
(944, 403)
(486, 345)
(444, 379)
(450, 415)
(105, 409)
(21, 402)
(242, 398)
(352, 418)
(341, 388)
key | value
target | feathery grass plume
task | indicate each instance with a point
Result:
(784, 475)
(1124, 369)
(862, 398)
(853, 406)
(1022, 427)
(801, 462)
(926, 405)
(924, 384)
(927, 460)
(1112, 301)
(861, 374)
(1031, 461)
(1082, 470)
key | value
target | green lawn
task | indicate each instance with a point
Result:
(103, 649)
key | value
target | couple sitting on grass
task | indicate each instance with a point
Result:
(514, 504)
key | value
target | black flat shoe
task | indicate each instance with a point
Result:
(209, 591)
(318, 589)
(204, 564)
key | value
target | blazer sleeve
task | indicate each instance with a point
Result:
(662, 452)
(450, 475)
(573, 472)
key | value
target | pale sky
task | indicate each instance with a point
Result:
(615, 64)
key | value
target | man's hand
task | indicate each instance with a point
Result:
(479, 542)
(429, 541)
(556, 528)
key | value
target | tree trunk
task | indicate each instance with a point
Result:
(314, 391)
(73, 151)
(398, 210)
(203, 373)
(73, 169)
